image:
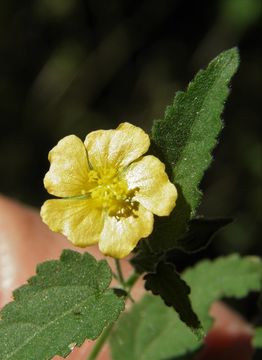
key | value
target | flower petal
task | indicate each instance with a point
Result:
(119, 237)
(68, 173)
(116, 148)
(79, 220)
(156, 193)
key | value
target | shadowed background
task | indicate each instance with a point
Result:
(73, 66)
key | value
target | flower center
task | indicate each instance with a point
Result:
(112, 194)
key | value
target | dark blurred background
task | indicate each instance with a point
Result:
(73, 66)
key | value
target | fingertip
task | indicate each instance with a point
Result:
(230, 337)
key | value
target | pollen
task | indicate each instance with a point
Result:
(111, 193)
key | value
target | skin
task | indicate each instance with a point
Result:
(26, 241)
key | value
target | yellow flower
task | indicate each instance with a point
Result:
(109, 191)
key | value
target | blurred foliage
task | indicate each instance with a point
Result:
(72, 66)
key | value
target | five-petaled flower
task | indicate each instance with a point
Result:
(109, 191)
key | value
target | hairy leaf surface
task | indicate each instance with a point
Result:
(185, 138)
(67, 302)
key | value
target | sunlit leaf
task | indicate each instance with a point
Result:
(184, 141)
(67, 302)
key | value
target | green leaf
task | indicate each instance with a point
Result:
(67, 302)
(230, 276)
(185, 138)
(151, 331)
(257, 339)
(167, 283)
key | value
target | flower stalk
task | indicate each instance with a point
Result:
(119, 273)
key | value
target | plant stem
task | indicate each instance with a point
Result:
(126, 285)
(119, 273)
(114, 275)
(100, 343)
(130, 282)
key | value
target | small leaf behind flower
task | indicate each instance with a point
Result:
(198, 236)
(200, 233)
(67, 302)
(167, 283)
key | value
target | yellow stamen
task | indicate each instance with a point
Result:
(112, 194)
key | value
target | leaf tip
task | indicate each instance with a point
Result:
(231, 56)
